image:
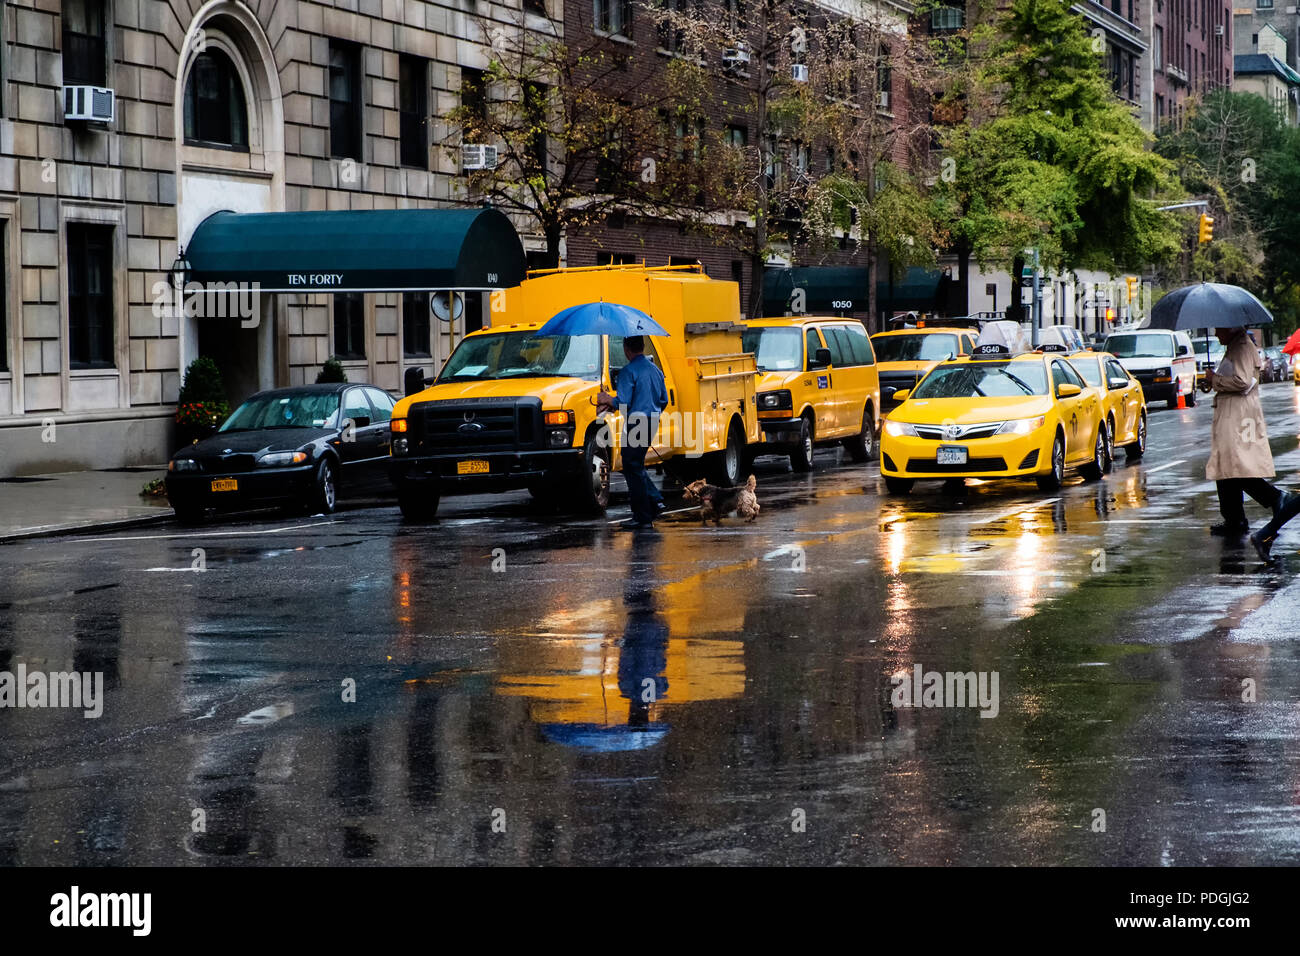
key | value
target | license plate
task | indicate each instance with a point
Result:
(225, 484)
(472, 467)
(951, 455)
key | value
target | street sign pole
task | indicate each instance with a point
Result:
(1038, 300)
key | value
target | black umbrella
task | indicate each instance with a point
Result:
(1209, 305)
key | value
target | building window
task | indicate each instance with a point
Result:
(611, 164)
(672, 38)
(1263, 4)
(947, 18)
(535, 115)
(345, 100)
(735, 17)
(737, 137)
(90, 295)
(413, 96)
(4, 295)
(1158, 48)
(216, 113)
(350, 325)
(616, 259)
(415, 325)
(613, 17)
(84, 61)
(535, 6)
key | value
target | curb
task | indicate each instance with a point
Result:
(99, 526)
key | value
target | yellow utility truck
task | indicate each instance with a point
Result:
(515, 409)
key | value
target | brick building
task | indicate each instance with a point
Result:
(1191, 54)
(266, 106)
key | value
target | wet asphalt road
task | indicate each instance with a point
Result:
(691, 696)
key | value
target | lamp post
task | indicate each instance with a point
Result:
(180, 268)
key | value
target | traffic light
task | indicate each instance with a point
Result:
(1205, 229)
(1132, 283)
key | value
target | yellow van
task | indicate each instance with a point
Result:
(905, 355)
(817, 385)
(515, 409)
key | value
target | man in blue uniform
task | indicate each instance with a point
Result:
(641, 396)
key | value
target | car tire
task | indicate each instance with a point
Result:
(1136, 449)
(726, 466)
(418, 502)
(591, 489)
(801, 459)
(898, 486)
(1191, 398)
(1094, 469)
(188, 512)
(1110, 443)
(1052, 480)
(865, 445)
(323, 495)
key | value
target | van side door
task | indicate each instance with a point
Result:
(821, 378)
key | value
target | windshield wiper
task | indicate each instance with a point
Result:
(1026, 388)
(459, 378)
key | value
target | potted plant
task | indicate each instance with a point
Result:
(201, 406)
(331, 371)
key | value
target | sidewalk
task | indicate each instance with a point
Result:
(79, 501)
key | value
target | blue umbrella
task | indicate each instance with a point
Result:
(596, 738)
(601, 318)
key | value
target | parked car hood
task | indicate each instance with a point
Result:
(256, 441)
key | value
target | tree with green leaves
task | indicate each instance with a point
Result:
(1046, 156)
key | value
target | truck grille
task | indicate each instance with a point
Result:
(894, 381)
(477, 425)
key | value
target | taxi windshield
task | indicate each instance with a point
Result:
(775, 349)
(523, 355)
(984, 380)
(303, 410)
(1089, 369)
(1140, 346)
(922, 347)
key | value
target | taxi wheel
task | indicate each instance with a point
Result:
(1110, 443)
(898, 486)
(323, 495)
(865, 445)
(1135, 450)
(1094, 469)
(801, 459)
(1052, 480)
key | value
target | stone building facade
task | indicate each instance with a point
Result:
(256, 106)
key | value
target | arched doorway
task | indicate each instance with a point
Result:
(229, 135)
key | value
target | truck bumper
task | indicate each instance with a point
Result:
(506, 470)
(780, 431)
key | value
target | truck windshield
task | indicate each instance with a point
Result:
(984, 380)
(923, 347)
(1140, 346)
(775, 349)
(523, 355)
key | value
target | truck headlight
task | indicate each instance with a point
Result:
(182, 464)
(276, 459)
(399, 446)
(1021, 426)
(898, 429)
(1164, 375)
(561, 438)
(775, 401)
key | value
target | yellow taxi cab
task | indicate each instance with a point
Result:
(817, 385)
(1124, 403)
(996, 414)
(905, 355)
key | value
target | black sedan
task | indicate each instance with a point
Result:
(299, 447)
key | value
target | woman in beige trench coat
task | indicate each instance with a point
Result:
(1240, 460)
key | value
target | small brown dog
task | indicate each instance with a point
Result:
(715, 501)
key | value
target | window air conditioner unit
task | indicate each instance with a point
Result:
(799, 72)
(92, 104)
(736, 59)
(882, 99)
(1218, 30)
(477, 156)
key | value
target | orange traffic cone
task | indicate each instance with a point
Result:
(1182, 402)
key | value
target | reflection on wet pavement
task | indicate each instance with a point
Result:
(511, 687)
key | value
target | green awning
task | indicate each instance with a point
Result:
(825, 289)
(917, 290)
(380, 250)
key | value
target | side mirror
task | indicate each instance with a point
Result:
(1067, 390)
(1119, 383)
(414, 381)
(901, 394)
(821, 358)
(1184, 350)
